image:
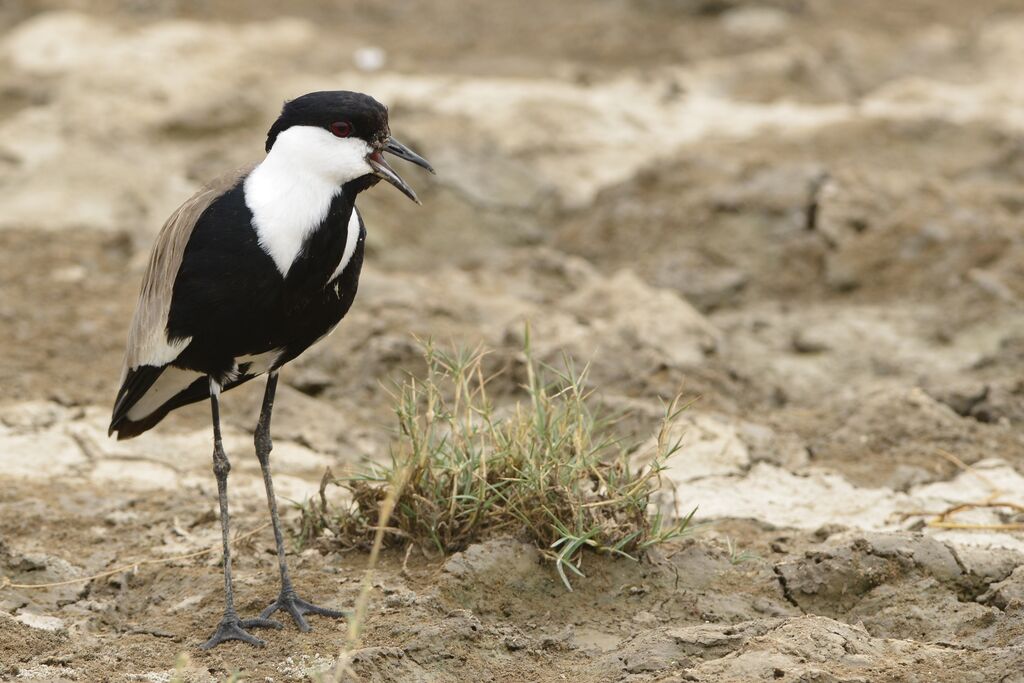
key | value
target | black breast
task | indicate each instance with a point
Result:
(318, 309)
(231, 299)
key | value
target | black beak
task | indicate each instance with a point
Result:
(382, 170)
(393, 146)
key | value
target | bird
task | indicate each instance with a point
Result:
(243, 277)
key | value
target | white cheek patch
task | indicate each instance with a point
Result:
(290, 193)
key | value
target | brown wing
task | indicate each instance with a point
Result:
(149, 350)
(147, 339)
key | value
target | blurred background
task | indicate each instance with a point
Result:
(806, 215)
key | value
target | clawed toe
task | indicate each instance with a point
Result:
(288, 602)
(260, 622)
(233, 628)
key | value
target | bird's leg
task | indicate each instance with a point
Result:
(230, 627)
(287, 600)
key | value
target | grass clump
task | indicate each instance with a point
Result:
(546, 468)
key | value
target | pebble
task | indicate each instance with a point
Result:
(40, 621)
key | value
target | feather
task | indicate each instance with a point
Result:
(148, 343)
(149, 349)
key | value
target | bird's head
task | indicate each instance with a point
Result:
(342, 136)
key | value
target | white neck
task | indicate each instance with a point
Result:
(291, 191)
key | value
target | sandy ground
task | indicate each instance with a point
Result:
(805, 214)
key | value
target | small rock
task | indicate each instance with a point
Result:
(40, 621)
(989, 565)
(645, 618)
(806, 342)
(500, 557)
(69, 274)
(401, 598)
(1008, 593)
(120, 517)
(563, 640)
(369, 58)
(962, 397)
(311, 380)
(515, 641)
(186, 604)
(755, 23)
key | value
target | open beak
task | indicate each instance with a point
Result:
(393, 146)
(382, 170)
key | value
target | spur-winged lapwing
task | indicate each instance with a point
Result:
(245, 276)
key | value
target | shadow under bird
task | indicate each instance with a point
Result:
(245, 276)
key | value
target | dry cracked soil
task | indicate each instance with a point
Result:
(805, 215)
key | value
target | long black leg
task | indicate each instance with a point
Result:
(287, 600)
(230, 627)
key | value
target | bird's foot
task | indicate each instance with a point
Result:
(233, 628)
(288, 602)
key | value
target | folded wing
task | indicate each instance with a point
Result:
(149, 388)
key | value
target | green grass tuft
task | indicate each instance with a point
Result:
(546, 468)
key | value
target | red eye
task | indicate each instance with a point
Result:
(341, 129)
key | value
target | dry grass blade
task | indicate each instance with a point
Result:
(546, 466)
(343, 663)
(944, 519)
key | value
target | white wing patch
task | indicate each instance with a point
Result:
(170, 382)
(155, 349)
(174, 380)
(259, 363)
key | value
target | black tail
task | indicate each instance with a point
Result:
(138, 382)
